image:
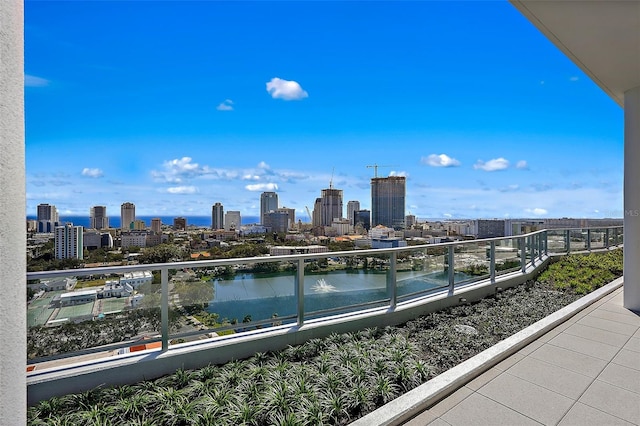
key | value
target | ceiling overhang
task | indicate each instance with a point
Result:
(602, 37)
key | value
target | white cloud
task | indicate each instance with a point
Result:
(177, 170)
(492, 165)
(441, 160)
(263, 165)
(226, 105)
(33, 81)
(574, 78)
(536, 211)
(93, 173)
(400, 173)
(182, 190)
(262, 187)
(522, 165)
(288, 90)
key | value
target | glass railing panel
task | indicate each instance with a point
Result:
(507, 255)
(598, 238)
(620, 236)
(557, 241)
(578, 239)
(237, 296)
(76, 315)
(471, 262)
(613, 237)
(345, 284)
(423, 271)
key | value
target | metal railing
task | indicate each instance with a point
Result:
(305, 287)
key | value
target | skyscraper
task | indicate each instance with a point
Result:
(268, 202)
(47, 218)
(316, 220)
(331, 205)
(179, 223)
(68, 242)
(387, 201)
(98, 217)
(156, 225)
(352, 207)
(232, 220)
(217, 216)
(127, 215)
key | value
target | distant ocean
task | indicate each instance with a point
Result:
(114, 222)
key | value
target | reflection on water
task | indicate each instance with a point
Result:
(263, 295)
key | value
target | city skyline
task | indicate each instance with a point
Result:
(483, 116)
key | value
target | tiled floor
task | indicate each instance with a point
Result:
(584, 372)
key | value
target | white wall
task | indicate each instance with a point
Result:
(13, 333)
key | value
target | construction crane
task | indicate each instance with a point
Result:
(375, 169)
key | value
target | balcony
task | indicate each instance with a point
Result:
(404, 283)
(601, 37)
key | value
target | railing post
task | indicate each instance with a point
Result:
(606, 238)
(546, 243)
(299, 292)
(567, 240)
(392, 292)
(492, 262)
(589, 239)
(523, 254)
(164, 308)
(450, 260)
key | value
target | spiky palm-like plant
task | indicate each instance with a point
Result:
(384, 390)
(336, 407)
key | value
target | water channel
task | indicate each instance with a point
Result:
(263, 295)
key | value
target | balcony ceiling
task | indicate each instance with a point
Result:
(602, 37)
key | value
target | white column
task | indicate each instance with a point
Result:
(632, 199)
(13, 291)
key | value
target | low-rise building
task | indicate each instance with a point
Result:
(290, 250)
(74, 298)
(114, 289)
(58, 284)
(136, 278)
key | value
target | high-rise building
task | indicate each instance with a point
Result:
(68, 242)
(331, 205)
(98, 217)
(156, 225)
(268, 202)
(362, 218)
(217, 216)
(352, 207)
(317, 213)
(277, 221)
(291, 215)
(387, 201)
(180, 224)
(127, 215)
(232, 220)
(138, 225)
(47, 218)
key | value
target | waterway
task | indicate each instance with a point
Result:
(263, 295)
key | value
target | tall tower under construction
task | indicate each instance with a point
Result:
(387, 201)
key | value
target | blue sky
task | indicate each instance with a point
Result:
(175, 106)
